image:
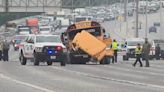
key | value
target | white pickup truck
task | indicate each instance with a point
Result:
(42, 48)
(131, 44)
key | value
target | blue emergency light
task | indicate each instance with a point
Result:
(50, 52)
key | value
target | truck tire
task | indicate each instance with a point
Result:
(72, 59)
(49, 63)
(108, 59)
(105, 60)
(22, 59)
(102, 62)
(76, 60)
(62, 63)
(36, 60)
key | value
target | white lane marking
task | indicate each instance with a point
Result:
(138, 71)
(26, 84)
(111, 79)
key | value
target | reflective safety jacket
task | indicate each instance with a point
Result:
(114, 45)
(138, 51)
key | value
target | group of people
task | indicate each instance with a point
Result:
(139, 52)
(4, 48)
(142, 53)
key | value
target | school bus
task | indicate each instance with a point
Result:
(85, 42)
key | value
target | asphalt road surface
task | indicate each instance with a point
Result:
(119, 77)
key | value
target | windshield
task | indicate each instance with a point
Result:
(45, 29)
(17, 41)
(20, 37)
(94, 31)
(40, 39)
(24, 30)
(80, 19)
(134, 43)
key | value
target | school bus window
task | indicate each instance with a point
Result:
(93, 31)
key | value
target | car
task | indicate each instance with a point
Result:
(23, 30)
(153, 29)
(43, 48)
(45, 29)
(16, 41)
(157, 24)
(161, 44)
(162, 50)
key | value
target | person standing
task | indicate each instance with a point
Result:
(6, 47)
(157, 52)
(146, 50)
(115, 48)
(138, 52)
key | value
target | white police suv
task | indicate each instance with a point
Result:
(43, 48)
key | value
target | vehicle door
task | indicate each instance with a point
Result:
(29, 47)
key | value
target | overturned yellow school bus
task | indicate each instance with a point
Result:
(85, 42)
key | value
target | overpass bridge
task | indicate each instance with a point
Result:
(30, 5)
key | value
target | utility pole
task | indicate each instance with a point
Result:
(161, 20)
(26, 6)
(137, 3)
(126, 15)
(146, 28)
(6, 6)
(125, 10)
(44, 7)
(89, 1)
(72, 8)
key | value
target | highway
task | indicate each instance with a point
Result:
(118, 77)
(113, 27)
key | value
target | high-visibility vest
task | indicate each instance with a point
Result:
(138, 51)
(114, 45)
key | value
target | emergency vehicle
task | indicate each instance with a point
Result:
(42, 48)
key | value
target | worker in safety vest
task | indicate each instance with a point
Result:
(138, 52)
(115, 48)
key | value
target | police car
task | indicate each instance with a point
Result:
(42, 48)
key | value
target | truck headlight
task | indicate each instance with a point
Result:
(38, 49)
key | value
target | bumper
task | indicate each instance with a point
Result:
(16, 48)
(54, 58)
(130, 55)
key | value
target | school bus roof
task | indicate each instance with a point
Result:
(83, 25)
